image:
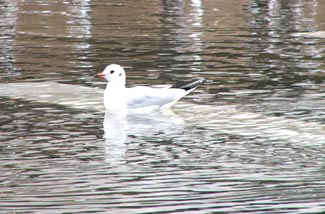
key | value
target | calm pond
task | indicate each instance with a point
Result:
(249, 140)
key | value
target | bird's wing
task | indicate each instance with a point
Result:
(162, 86)
(141, 96)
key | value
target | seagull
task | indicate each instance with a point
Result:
(117, 97)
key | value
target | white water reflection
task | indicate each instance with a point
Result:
(197, 23)
(80, 26)
(119, 127)
(8, 17)
(315, 34)
(72, 96)
(287, 23)
(115, 128)
(187, 21)
(300, 14)
(234, 120)
(149, 158)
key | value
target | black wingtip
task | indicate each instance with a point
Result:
(193, 84)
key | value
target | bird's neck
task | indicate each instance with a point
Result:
(114, 96)
(117, 85)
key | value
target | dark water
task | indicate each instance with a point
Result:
(251, 139)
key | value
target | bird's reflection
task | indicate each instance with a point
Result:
(117, 128)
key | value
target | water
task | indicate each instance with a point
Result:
(251, 139)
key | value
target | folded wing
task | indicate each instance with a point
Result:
(141, 97)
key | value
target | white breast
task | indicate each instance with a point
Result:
(115, 98)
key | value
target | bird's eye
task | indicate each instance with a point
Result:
(112, 71)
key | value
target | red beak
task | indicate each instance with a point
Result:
(100, 75)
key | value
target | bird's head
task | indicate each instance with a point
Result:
(113, 73)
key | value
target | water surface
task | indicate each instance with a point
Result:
(251, 139)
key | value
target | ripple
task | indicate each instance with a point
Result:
(249, 140)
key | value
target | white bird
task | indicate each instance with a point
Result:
(119, 98)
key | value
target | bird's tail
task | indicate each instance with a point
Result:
(191, 86)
